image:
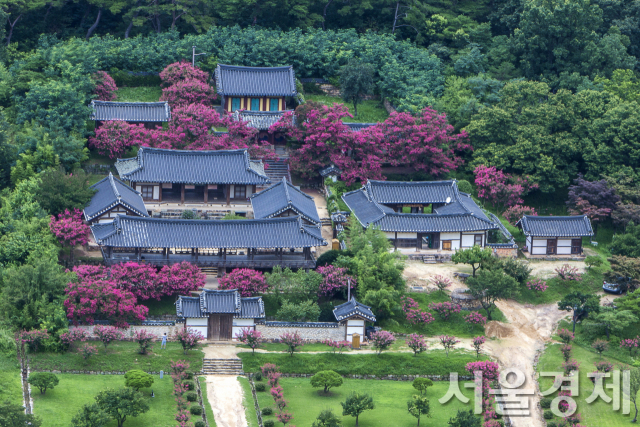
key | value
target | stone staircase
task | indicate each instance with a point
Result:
(276, 169)
(325, 222)
(209, 271)
(222, 367)
(429, 259)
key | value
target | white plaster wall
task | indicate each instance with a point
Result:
(249, 190)
(390, 234)
(156, 192)
(528, 243)
(539, 242)
(467, 240)
(198, 324)
(449, 236)
(407, 235)
(232, 191)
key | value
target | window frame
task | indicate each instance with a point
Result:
(477, 239)
(243, 191)
(271, 103)
(233, 101)
(251, 104)
(144, 189)
(446, 242)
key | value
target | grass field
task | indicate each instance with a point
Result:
(119, 356)
(249, 407)
(10, 384)
(58, 406)
(205, 402)
(139, 94)
(390, 399)
(598, 413)
(370, 111)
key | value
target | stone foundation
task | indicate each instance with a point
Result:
(506, 252)
(332, 331)
(155, 330)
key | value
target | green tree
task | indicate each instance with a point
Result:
(634, 383)
(12, 415)
(474, 256)
(383, 302)
(327, 380)
(581, 305)
(327, 418)
(16, 9)
(623, 83)
(306, 311)
(627, 244)
(612, 320)
(30, 164)
(137, 379)
(630, 302)
(7, 150)
(491, 286)
(465, 419)
(356, 403)
(43, 381)
(422, 384)
(418, 406)
(59, 191)
(90, 416)
(122, 403)
(356, 81)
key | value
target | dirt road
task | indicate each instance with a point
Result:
(225, 397)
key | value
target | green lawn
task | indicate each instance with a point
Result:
(371, 111)
(390, 399)
(58, 406)
(93, 178)
(119, 356)
(205, 401)
(433, 362)
(10, 384)
(249, 406)
(454, 325)
(139, 94)
(598, 413)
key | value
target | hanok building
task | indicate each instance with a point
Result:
(455, 221)
(113, 198)
(555, 235)
(193, 176)
(151, 114)
(354, 316)
(331, 171)
(283, 200)
(262, 121)
(357, 127)
(255, 88)
(218, 314)
(222, 244)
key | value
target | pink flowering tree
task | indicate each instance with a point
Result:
(107, 334)
(338, 346)
(250, 337)
(73, 335)
(140, 279)
(144, 339)
(189, 91)
(475, 318)
(567, 272)
(181, 279)
(537, 285)
(416, 343)
(188, 338)
(630, 344)
(180, 71)
(566, 352)
(570, 365)
(513, 214)
(448, 342)
(382, 340)
(247, 281)
(566, 336)
(445, 309)
(34, 339)
(105, 87)
(276, 392)
(478, 342)
(70, 229)
(414, 314)
(489, 373)
(334, 279)
(284, 417)
(441, 282)
(273, 378)
(500, 189)
(88, 350)
(113, 138)
(268, 368)
(292, 341)
(191, 126)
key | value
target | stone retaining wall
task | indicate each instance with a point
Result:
(155, 330)
(506, 252)
(307, 334)
(389, 377)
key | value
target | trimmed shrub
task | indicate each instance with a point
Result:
(267, 411)
(192, 397)
(547, 414)
(269, 423)
(190, 385)
(261, 387)
(257, 376)
(545, 403)
(195, 410)
(199, 424)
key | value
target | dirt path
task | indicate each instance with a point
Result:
(225, 397)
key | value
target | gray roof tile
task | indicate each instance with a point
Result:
(357, 127)
(192, 167)
(556, 226)
(429, 223)
(412, 192)
(111, 192)
(140, 232)
(255, 81)
(251, 308)
(220, 301)
(281, 197)
(353, 308)
(261, 120)
(131, 111)
(330, 170)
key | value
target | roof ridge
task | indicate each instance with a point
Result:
(297, 189)
(113, 187)
(442, 182)
(203, 221)
(286, 190)
(456, 193)
(245, 67)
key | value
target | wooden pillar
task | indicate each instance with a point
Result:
(182, 193)
(206, 193)
(253, 190)
(228, 189)
(139, 253)
(395, 242)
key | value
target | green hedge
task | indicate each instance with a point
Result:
(431, 363)
(123, 78)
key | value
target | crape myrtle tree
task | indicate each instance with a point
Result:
(247, 281)
(356, 403)
(500, 189)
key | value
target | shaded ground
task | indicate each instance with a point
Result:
(225, 397)
(321, 206)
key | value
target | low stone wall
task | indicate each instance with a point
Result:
(155, 330)
(506, 252)
(271, 331)
(389, 377)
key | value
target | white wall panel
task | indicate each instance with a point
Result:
(539, 242)
(467, 240)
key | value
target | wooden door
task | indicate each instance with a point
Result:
(213, 327)
(576, 246)
(226, 326)
(446, 245)
(551, 246)
(220, 327)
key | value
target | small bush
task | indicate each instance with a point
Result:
(261, 387)
(552, 424)
(190, 385)
(267, 411)
(192, 397)
(545, 403)
(190, 375)
(123, 78)
(547, 414)
(257, 376)
(269, 423)
(465, 186)
(195, 410)
(199, 424)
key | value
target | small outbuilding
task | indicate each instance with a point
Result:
(354, 316)
(555, 235)
(112, 199)
(331, 171)
(283, 199)
(151, 114)
(219, 314)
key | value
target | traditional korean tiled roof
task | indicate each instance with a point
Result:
(392, 192)
(281, 197)
(255, 81)
(111, 192)
(141, 232)
(459, 212)
(330, 170)
(357, 127)
(353, 308)
(192, 167)
(220, 302)
(131, 111)
(261, 120)
(556, 226)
